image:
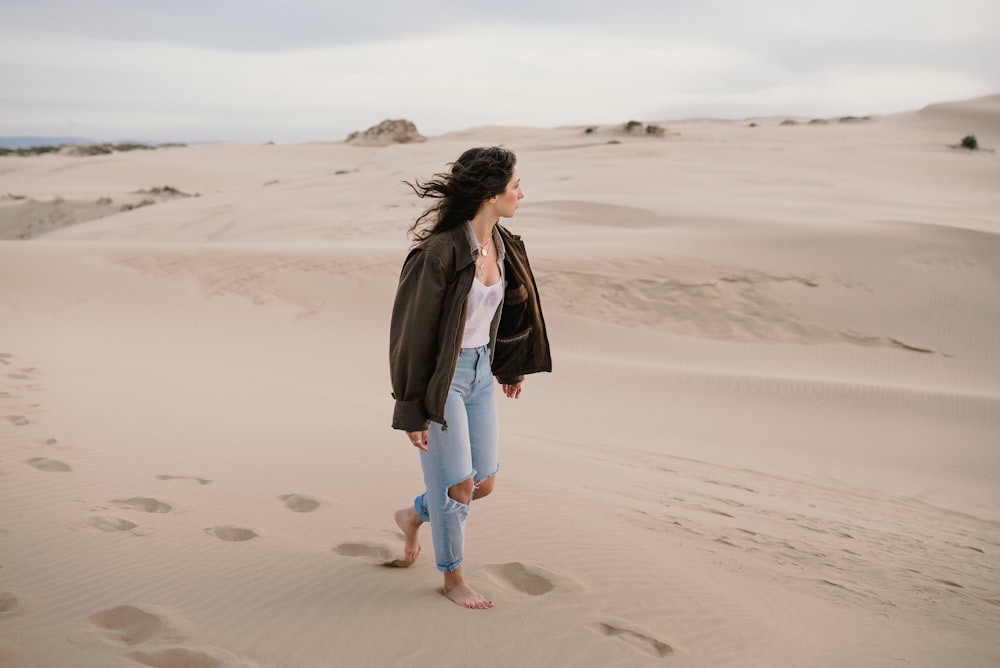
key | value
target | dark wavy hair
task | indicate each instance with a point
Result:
(477, 175)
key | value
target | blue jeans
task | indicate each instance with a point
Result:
(468, 449)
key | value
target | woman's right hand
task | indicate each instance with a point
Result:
(418, 439)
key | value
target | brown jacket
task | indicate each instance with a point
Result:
(428, 319)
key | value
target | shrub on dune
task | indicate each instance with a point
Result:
(969, 142)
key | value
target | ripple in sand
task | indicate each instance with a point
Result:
(145, 504)
(299, 503)
(232, 534)
(43, 464)
(640, 641)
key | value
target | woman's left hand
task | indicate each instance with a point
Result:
(512, 391)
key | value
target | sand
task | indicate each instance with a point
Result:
(770, 437)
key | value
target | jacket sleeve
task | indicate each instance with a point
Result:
(413, 337)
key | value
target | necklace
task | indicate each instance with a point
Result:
(484, 252)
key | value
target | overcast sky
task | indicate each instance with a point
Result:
(292, 70)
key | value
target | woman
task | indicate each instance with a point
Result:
(466, 310)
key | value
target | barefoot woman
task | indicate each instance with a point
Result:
(466, 310)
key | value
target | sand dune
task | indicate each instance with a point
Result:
(769, 440)
(979, 117)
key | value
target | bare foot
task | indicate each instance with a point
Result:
(462, 594)
(409, 523)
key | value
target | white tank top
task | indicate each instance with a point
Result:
(483, 303)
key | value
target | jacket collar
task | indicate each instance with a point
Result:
(474, 245)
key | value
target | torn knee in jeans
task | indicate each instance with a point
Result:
(455, 508)
(462, 491)
(483, 487)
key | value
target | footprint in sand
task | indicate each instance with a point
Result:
(108, 524)
(376, 554)
(183, 657)
(8, 604)
(530, 580)
(7, 650)
(17, 420)
(200, 481)
(299, 503)
(232, 534)
(175, 658)
(640, 641)
(145, 504)
(129, 625)
(43, 464)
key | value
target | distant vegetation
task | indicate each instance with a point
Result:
(34, 150)
(969, 142)
(634, 126)
(137, 205)
(159, 191)
(82, 149)
(166, 191)
(631, 127)
(827, 121)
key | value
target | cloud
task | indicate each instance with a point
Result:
(289, 25)
(311, 70)
(555, 78)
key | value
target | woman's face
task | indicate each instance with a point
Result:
(506, 202)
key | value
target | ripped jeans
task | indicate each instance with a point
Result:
(467, 449)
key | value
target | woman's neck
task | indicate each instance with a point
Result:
(482, 227)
